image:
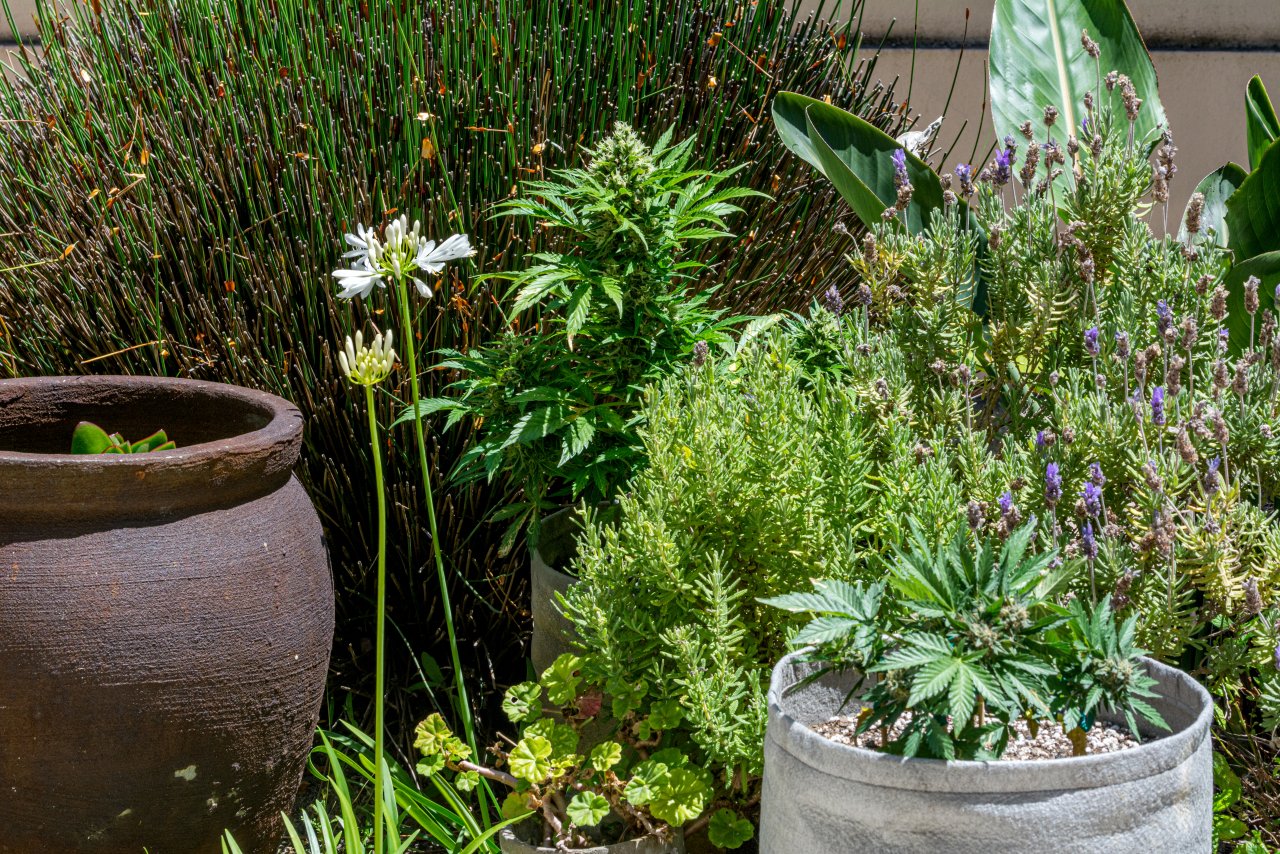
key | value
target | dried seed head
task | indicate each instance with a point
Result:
(1189, 333)
(870, 251)
(1218, 305)
(1112, 78)
(1026, 130)
(1252, 598)
(831, 301)
(1122, 346)
(862, 296)
(1203, 283)
(1186, 450)
(1251, 294)
(700, 351)
(1173, 376)
(976, 515)
(1090, 46)
(1195, 213)
(1050, 115)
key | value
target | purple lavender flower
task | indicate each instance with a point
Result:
(1092, 496)
(1164, 316)
(900, 168)
(1006, 503)
(1091, 341)
(832, 301)
(1042, 442)
(1004, 163)
(964, 174)
(1052, 485)
(1157, 405)
(1096, 476)
(1088, 543)
(1223, 335)
(1275, 657)
(1084, 126)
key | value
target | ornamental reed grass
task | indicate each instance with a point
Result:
(174, 173)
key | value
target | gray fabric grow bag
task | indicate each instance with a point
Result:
(821, 797)
(511, 843)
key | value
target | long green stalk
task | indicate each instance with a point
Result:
(406, 332)
(379, 696)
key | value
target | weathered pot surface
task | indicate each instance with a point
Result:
(820, 796)
(557, 547)
(512, 842)
(165, 618)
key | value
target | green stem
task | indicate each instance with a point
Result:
(379, 701)
(406, 322)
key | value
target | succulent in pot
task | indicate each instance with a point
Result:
(964, 654)
(175, 608)
(613, 798)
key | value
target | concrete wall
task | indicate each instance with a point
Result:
(1204, 51)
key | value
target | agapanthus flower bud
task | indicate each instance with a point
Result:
(1091, 341)
(1052, 485)
(1088, 542)
(367, 366)
(832, 301)
(1157, 406)
(1092, 496)
(1252, 598)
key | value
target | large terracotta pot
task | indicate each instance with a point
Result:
(165, 619)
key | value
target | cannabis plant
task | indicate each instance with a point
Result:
(579, 801)
(556, 401)
(968, 641)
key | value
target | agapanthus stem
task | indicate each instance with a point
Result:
(407, 336)
(379, 695)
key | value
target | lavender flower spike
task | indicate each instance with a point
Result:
(1091, 341)
(1088, 543)
(1092, 496)
(1052, 485)
(832, 301)
(900, 168)
(1006, 503)
(1096, 475)
(1157, 406)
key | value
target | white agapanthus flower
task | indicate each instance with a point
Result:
(367, 365)
(402, 253)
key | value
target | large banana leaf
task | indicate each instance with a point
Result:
(1218, 186)
(1253, 210)
(1261, 123)
(856, 157)
(1266, 268)
(1037, 59)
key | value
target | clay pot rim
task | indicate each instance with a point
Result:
(283, 421)
(105, 489)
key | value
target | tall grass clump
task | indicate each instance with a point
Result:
(176, 173)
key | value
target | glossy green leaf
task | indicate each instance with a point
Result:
(1262, 127)
(1266, 268)
(1253, 210)
(856, 157)
(1218, 186)
(1037, 59)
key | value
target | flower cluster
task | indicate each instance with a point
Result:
(402, 253)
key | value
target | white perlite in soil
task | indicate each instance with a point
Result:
(1050, 742)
